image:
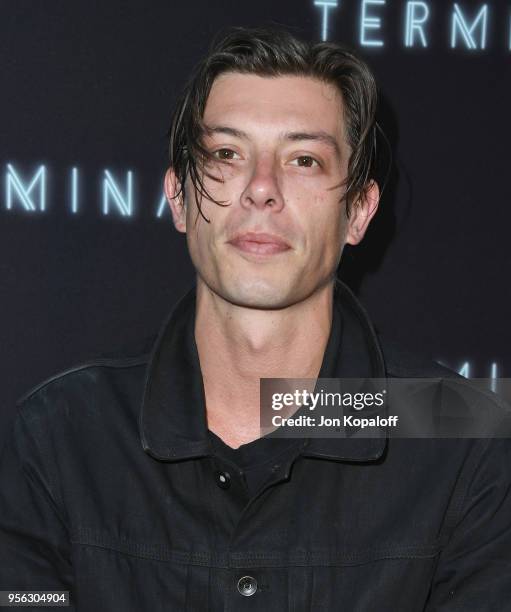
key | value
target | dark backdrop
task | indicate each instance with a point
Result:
(90, 85)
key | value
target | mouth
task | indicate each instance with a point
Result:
(259, 243)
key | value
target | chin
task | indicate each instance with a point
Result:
(258, 294)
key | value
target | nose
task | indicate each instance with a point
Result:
(262, 190)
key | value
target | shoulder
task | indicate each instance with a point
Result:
(404, 362)
(84, 384)
(465, 408)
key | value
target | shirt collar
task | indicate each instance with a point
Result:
(173, 423)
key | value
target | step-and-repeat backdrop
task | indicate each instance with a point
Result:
(89, 259)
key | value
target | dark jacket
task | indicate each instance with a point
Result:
(109, 488)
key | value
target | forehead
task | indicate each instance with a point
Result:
(276, 103)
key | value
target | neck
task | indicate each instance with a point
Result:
(237, 346)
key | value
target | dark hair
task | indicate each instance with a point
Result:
(274, 52)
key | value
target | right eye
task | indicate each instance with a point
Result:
(224, 154)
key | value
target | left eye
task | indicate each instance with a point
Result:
(306, 161)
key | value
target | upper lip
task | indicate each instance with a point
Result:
(261, 237)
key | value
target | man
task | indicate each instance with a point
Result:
(140, 481)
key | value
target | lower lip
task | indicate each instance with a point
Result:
(259, 248)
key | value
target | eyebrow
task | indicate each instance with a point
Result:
(317, 136)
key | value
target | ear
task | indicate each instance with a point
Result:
(362, 212)
(172, 186)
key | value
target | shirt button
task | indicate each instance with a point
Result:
(223, 480)
(247, 585)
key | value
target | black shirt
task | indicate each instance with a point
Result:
(109, 489)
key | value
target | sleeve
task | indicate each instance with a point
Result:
(474, 569)
(34, 542)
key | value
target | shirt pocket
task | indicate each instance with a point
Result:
(119, 575)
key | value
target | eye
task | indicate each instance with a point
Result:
(225, 154)
(306, 161)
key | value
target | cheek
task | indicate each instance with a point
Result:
(196, 229)
(228, 179)
(329, 241)
(202, 236)
(325, 225)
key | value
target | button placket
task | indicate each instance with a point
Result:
(228, 476)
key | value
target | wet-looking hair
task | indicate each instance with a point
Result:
(273, 52)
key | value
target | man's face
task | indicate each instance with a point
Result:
(282, 156)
